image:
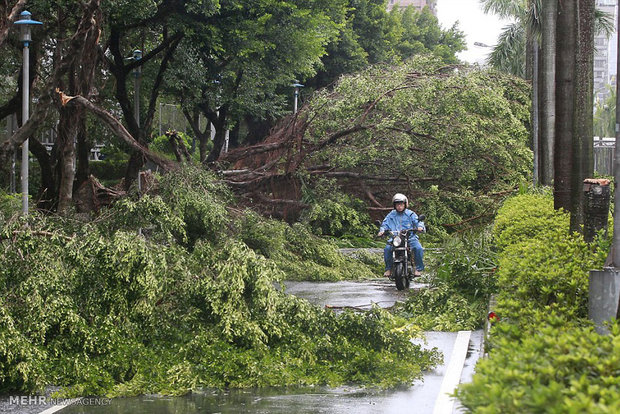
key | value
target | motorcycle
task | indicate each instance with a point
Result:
(403, 266)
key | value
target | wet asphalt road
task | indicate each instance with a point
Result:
(356, 294)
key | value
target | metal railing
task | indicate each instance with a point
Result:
(604, 152)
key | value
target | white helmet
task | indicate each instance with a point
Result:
(400, 198)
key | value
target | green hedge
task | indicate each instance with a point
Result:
(544, 354)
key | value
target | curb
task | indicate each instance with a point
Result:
(445, 403)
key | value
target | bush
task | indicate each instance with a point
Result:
(527, 217)
(544, 354)
(342, 216)
(467, 264)
(442, 309)
(98, 310)
(555, 270)
(557, 368)
(464, 279)
(540, 262)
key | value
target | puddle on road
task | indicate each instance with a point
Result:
(274, 400)
(358, 294)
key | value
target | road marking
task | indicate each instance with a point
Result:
(57, 408)
(444, 403)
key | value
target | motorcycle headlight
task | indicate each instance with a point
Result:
(397, 241)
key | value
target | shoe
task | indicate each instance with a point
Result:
(387, 273)
(417, 273)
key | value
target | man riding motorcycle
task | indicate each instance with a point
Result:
(401, 218)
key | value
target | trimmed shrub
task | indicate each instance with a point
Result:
(527, 217)
(544, 354)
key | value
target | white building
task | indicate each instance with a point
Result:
(418, 4)
(605, 54)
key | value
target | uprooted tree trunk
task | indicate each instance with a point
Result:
(383, 137)
(266, 173)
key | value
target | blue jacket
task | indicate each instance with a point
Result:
(396, 221)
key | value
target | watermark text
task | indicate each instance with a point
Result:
(43, 400)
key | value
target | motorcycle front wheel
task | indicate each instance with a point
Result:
(402, 282)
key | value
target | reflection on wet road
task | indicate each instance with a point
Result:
(360, 294)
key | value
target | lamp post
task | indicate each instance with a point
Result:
(297, 86)
(25, 23)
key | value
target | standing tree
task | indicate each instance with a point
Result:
(82, 53)
(574, 105)
(567, 32)
(583, 151)
(547, 91)
(244, 55)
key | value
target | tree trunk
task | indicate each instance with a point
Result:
(566, 43)
(202, 136)
(118, 129)
(121, 71)
(47, 190)
(83, 153)
(220, 134)
(67, 135)
(547, 92)
(583, 158)
(82, 51)
(535, 111)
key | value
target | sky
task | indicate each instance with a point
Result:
(477, 26)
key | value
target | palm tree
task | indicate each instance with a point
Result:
(547, 91)
(509, 55)
(566, 85)
(583, 145)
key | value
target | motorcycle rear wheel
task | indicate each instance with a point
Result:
(402, 282)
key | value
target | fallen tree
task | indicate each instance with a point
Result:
(453, 138)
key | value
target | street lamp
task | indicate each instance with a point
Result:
(25, 23)
(297, 86)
